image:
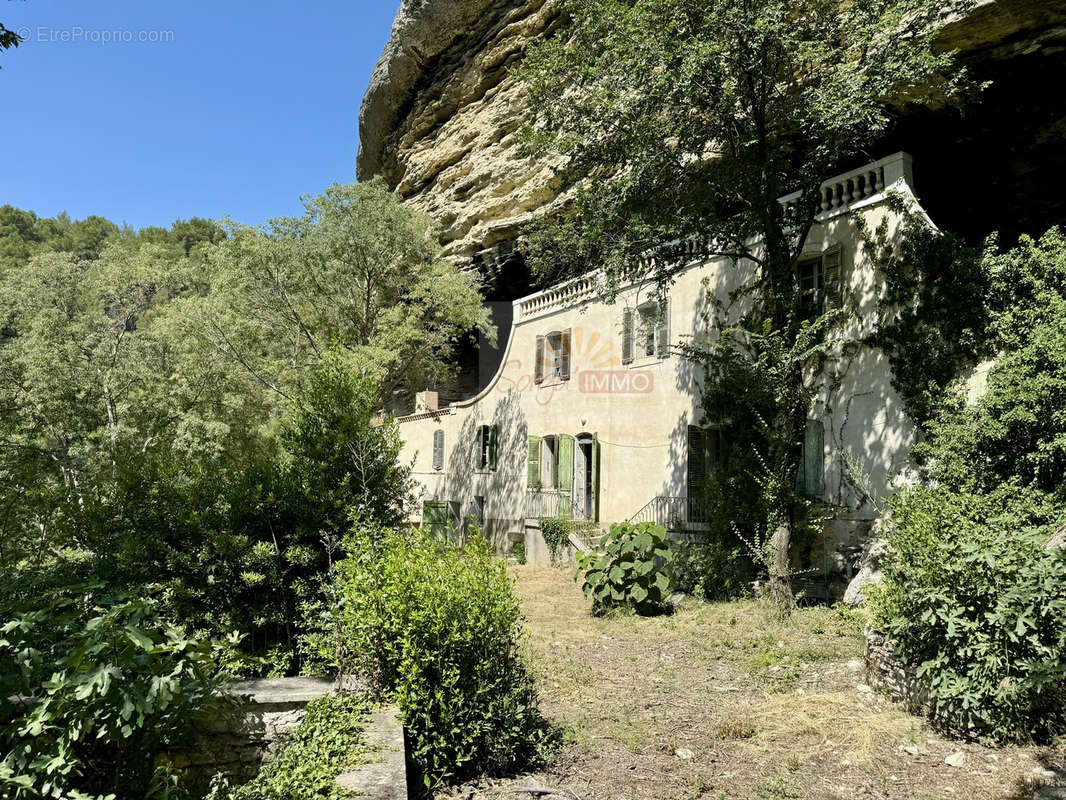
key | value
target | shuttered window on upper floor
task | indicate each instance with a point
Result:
(821, 283)
(646, 331)
(553, 356)
(438, 450)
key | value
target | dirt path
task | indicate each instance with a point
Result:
(721, 701)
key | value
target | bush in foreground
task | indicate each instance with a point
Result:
(91, 692)
(435, 628)
(976, 602)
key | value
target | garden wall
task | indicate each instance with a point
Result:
(239, 740)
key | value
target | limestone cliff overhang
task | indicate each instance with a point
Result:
(424, 30)
(847, 193)
(421, 32)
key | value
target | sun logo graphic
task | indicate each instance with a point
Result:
(597, 351)
(591, 364)
(605, 373)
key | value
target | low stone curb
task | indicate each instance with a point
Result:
(384, 776)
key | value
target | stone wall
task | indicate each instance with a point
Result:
(888, 675)
(239, 740)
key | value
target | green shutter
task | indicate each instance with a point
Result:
(811, 478)
(438, 450)
(565, 472)
(697, 461)
(435, 517)
(832, 277)
(662, 330)
(533, 481)
(564, 367)
(595, 479)
(538, 361)
(627, 336)
(494, 447)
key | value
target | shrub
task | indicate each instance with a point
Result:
(91, 691)
(713, 570)
(631, 572)
(974, 600)
(435, 629)
(324, 744)
(1017, 429)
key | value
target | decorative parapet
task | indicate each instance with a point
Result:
(842, 192)
(839, 194)
(561, 296)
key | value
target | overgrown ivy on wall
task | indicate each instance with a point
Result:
(935, 311)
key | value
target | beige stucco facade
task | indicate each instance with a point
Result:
(637, 414)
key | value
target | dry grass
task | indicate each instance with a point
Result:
(727, 701)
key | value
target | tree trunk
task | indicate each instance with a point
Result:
(780, 574)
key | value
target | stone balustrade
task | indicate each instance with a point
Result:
(561, 296)
(843, 191)
(835, 196)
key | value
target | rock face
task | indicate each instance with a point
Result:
(440, 118)
(870, 572)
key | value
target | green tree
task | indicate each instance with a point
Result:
(685, 121)
(189, 233)
(358, 274)
(8, 38)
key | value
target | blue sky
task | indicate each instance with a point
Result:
(238, 107)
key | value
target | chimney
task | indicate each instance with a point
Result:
(425, 401)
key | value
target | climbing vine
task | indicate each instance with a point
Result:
(556, 532)
(935, 311)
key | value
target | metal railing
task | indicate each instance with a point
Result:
(673, 513)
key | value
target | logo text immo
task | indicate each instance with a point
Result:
(615, 381)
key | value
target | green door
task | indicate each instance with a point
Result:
(566, 476)
(595, 482)
(435, 517)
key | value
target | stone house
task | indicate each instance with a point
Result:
(593, 413)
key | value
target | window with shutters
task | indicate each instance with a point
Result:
(553, 356)
(488, 437)
(810, 480)
(706, 450)
(820, 283)
(649, 320)
(652, 338)
(438, 450)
